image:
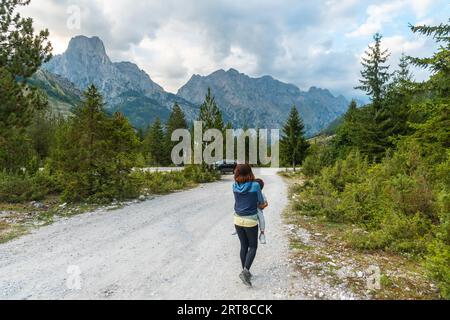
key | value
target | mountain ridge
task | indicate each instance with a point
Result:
(245, 101)
(265, 101)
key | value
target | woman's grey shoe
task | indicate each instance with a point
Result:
(245, 276)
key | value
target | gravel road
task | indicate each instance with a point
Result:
(178, 246)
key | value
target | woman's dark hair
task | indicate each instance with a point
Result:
(243, 173)
(260, 182)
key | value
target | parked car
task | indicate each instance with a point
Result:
(225, 166)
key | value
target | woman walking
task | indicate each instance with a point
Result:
(248, 197)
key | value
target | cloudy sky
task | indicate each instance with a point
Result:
(307, 43)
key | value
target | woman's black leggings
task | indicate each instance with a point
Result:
(249, 245)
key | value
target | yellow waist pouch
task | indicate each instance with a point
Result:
(246, 222)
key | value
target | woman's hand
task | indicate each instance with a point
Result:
(264, 205)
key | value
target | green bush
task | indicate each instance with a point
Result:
(438, 258)
(320, 155)
(16, 188)
(200, 174)
(400, 205)
(165, 182)
(438, 265)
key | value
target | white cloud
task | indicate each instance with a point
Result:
(383, 13)
(301, 42)
(421, 7)
(398, 44)
(416, 47)
(243, 61)
(377, 16)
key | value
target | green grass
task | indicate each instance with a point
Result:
(9, 232)
(298, 245)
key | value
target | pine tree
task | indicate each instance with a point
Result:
(351, 113)
(375, 74)
(210, 113)
(439, 62)
(21, 51)
(369, 134)
(393, 118)
(82, 152)
(403, 74)
(359, 131)
(345, 133)
(93, 153)
(141, 134)
(21, 54)
(177, 120)
(92, 121)
(431, 118)
(89, 134)
(293, 143)
(42, 131)
(125, 144)
(154, 144)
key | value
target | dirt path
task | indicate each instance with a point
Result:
(178, 246)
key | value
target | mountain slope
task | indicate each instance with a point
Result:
(265, 101)
(143, 110)
(63, 96)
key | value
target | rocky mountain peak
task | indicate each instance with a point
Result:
(233, 72)
(86, 62)
(86, 45)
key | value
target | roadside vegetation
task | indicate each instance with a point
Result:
(325, 249)
(385, 173)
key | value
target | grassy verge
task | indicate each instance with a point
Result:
(19, 219)
(322, 249)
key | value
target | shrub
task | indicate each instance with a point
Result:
(16, 188)
(438, 258)
(319, 156)
(437, 263)
(200, 174)
(165, 182)
(401, 204)
(350, 170)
